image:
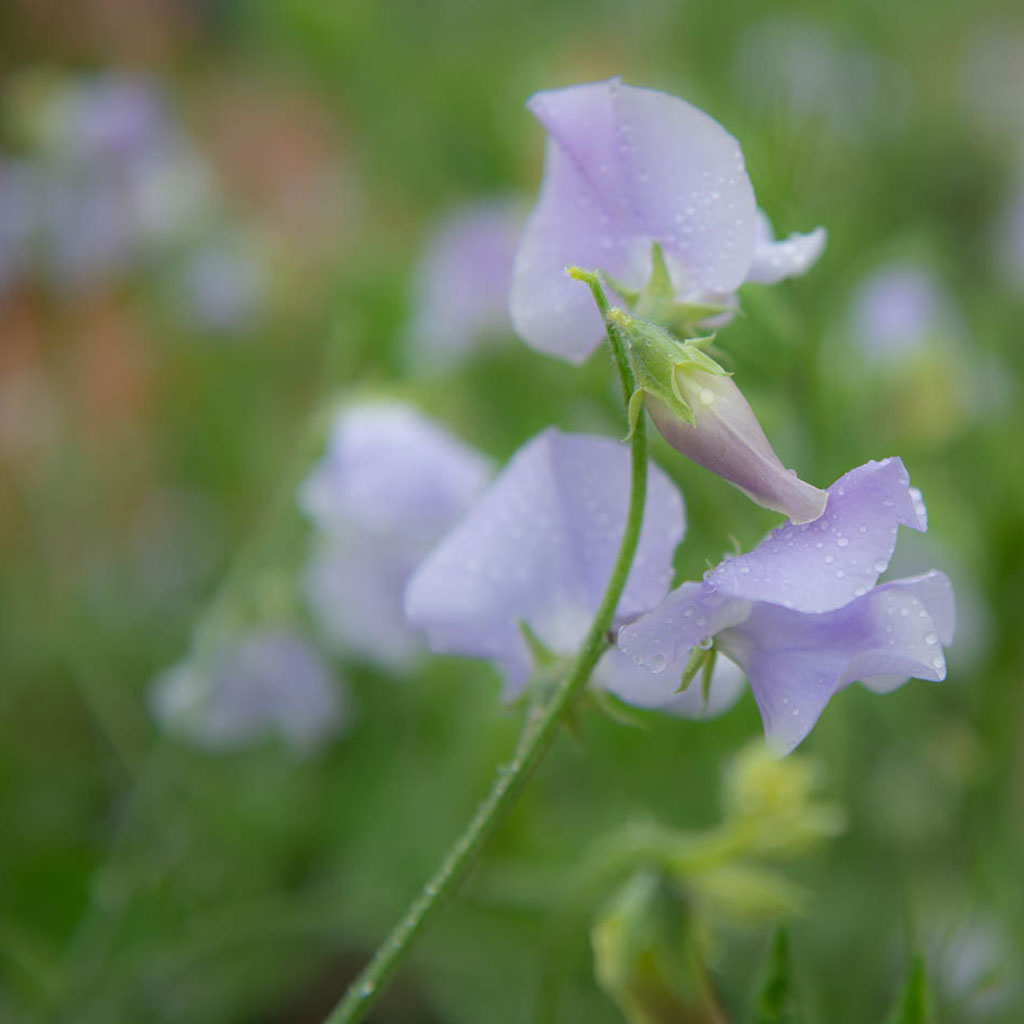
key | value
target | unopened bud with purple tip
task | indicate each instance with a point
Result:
(701, 412)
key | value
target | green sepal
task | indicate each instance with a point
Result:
(629, 295)
(699, 657)
(657, 301)
(611, 708)
(634, 410)
(542, 655)
(705, 676)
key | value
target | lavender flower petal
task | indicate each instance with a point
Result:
(538, 548)
(797, 661)
(663, 637)
(391, 473)
(264, 683)
(462, 282)
(354, 591)
(549, 310)
(774, 261)
(390, 485)
(639, 686)
(626, 167)
(821, 565)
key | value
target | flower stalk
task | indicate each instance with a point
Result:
(539, 730)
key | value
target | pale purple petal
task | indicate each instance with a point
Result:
(662, 639)
(774, 261)
(462, 282)
(686, 181)
(538, 548)
(260, 684)
(634, 684)
(354, 589)
(626, 167)
(388, 488)
(797, 661)
(391, 473)
(821, 565)
(550, 310)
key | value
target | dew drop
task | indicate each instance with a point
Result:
(931, 638)
(938, 663)
(829, 559)
(657, 662)
(880, 565)
(842, 542)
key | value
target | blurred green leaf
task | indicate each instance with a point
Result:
(913, 1005)
(777, 1004)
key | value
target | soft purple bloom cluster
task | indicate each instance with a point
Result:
(257, 685)
(626, 168)
(462, 282)
(389, 487)
(109, 180)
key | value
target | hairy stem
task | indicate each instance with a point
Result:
(538, 733)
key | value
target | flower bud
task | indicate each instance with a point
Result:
(701, 412)
(648, 955)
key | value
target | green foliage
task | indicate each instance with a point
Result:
(912, 1007)
(778, 1004)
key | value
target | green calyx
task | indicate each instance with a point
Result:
(656, 302)
(661, 363)
(702, 661)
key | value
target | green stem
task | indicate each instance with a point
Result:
(538, 732)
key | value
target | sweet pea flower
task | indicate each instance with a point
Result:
(262, 683)
(626, 168)
(802, 614)
(389, 487)
(537, 549)
(462, 282)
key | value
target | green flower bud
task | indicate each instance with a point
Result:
(648, 955)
